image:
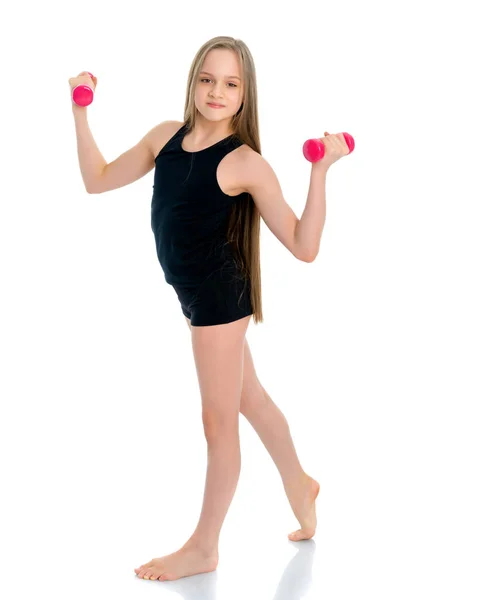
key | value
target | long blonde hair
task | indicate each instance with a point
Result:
(245, 220)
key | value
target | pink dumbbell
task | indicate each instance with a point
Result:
(83, 94)
(313, 149)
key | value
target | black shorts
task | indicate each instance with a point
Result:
(222, 297)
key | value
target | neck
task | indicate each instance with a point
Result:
(205, 130)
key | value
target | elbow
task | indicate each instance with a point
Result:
(304, 255)
(94, 187)
(90, 190)
(308, 258)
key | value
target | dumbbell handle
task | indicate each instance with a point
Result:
(313, 149)
(82, 95)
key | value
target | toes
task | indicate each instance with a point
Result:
(300, 534)
(155, 574)
(152, 573)
(296, 535)
(140, 571)
(148, 574)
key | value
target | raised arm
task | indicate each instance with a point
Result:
(100, 176)
(300, 236)
(128, 167)
(259, 179)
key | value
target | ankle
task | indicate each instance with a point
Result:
(298, 479)
(206, 548)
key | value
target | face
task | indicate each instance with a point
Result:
(218, 83)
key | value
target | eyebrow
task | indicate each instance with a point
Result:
(227, 77)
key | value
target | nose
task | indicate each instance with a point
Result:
(216, 92)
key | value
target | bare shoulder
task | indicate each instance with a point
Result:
(255, 174)
(231, 167)
(245, 151)
(242, 157)
(161, 134)
(251, 166)
(246, 158)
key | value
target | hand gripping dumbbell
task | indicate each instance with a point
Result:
(313, 149)
(83, 94)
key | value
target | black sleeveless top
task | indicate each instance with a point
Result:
(189, 211)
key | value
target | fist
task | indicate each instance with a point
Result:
(83, 79)
(335, 147)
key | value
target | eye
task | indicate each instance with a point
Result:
(206, 79)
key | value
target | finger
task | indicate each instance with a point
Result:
(338, 141)
(332, 140)
(343, 143)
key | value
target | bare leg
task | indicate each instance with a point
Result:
(272, 427)
(270, 424)
(219, 356)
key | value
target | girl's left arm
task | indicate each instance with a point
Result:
(300, 237)
(310, 227)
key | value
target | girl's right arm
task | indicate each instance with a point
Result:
(100, 176)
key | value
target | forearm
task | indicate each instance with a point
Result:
(91, 160)
(310, 227)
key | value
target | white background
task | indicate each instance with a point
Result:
(371, 351)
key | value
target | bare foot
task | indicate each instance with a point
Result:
(186, 561)
(302, 498)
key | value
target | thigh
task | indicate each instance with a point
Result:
(252, 392)
(219, 358)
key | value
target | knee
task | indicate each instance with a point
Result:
(253, 399)
(216, 424)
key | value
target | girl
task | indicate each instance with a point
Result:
(211, 186)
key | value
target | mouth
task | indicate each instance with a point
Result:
(213, 105)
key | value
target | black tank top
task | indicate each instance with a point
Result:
(189, 211)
